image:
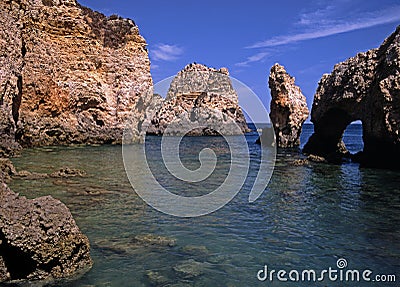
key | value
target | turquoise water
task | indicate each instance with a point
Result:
(308, 217)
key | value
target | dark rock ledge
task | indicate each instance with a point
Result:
(39, 239)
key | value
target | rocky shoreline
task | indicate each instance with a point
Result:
(39, 239)
(69, 75)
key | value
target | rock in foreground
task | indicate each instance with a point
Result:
(39, 239)
(366, 88)
(288, 107)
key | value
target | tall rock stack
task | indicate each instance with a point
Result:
(199, 96)
(69, 74)
(366, 88)
(288, 107)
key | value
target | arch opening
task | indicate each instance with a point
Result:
(353, 137)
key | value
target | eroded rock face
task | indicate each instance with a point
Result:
(7, 170)
(288, 107)
(68, 74)
(10, 71)
(39, 239)
(200, 101)
(367, 88)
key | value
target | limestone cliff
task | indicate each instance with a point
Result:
(68, 74)
(367, 88)
(200, 101)
(288, 107)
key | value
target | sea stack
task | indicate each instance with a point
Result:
(288, 107)
(366, 88)
(68, 75)
(200, 101)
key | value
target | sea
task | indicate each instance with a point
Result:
(315, 224)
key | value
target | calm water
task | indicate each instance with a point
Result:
(308, 218)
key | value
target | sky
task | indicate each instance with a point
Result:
(248, 37)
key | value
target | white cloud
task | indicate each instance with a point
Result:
(255, 58)
(165, 52)
(327, 27)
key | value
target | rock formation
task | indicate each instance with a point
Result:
(68, 74)
(39, 239)
(367, 88)
(288, 107)
(7, 170)
(200, 101)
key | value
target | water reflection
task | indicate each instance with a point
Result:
(308, 217)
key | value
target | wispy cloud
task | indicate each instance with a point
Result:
(255, 58)
(324, 27)
(165, 52)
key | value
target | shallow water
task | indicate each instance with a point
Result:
(308, 218)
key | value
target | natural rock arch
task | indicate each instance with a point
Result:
(330, 130)
(367, 88)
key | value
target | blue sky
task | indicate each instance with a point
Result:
(248, 37)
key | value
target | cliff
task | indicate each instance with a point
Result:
(68, 74)
(288, 107)
(200, 101)
(366, 88)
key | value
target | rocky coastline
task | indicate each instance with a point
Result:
(69, 75)
(39, 239)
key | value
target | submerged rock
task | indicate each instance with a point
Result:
(154, 240)
(129, 245)
(39, 239)
(366, 88)
(311, 158)
(196, 250)
(190, 269)
(200, 101)
(67, 172)
(156, 279)
(24, 174)
(288, 107)
(64, 172)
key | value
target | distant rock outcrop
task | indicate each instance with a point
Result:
(68, 74)
(200, 101)
(39, 239)
(367, 88)
(288, 107)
